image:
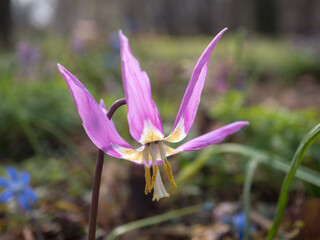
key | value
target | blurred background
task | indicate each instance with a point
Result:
(265, 69)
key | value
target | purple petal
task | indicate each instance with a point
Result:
(143, 117)
(105, 110)
(98, 127)
(190, 102)
(6, 196)
(103, 107)
(213, 137)
(12, 173)
(4, 182)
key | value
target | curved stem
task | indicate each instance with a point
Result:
(97, 178)
(115, 106)
(95, 196)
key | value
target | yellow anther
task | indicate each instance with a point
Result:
(168, 170)
(147, 176)
(155, 170)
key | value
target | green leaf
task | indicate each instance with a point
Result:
(153, 220)
(251, 168)
(295, 163)
(303, 173)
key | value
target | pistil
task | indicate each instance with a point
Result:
(156, 150)
(159, 190)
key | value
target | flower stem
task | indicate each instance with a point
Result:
(115, 106)
(97, 178)
(95, 196)
(35, 225)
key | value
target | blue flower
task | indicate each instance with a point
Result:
(16, 187)
(238, 223)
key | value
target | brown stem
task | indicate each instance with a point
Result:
(35, 224)
(97, 178)
(115, 106)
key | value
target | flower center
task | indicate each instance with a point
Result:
(157, 151)
(16, 187)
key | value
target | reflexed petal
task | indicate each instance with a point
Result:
(143, 117)
(5, 196)
(190, 102)
(103, 107)
(23, 202)
(12, 173)
(25, 177)
(30, 195)
(213, 137)
(99, 128)
(134, 155)
(105, 110)
(4, 182)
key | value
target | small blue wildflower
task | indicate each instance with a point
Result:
(16, 187)
(238, 223)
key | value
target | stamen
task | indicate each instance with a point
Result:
(147, 176)
(167, 167)
(155, 182)
(168, 170)
(146, 156)
(154, 173)
(162, 150)
(154, 153)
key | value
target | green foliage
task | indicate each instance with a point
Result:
(281, 59)
(39, 124)
(278, 58)
(25, 104)
(295, 163)
(277, 130)
(154, 220)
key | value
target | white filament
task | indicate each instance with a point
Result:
(146, 156)
(154, 153)
(162, 150)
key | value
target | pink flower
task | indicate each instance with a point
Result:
(144, 121)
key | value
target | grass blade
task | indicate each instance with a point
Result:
(303, 173)
(295, 163)
(250, 170)
(153, 220)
